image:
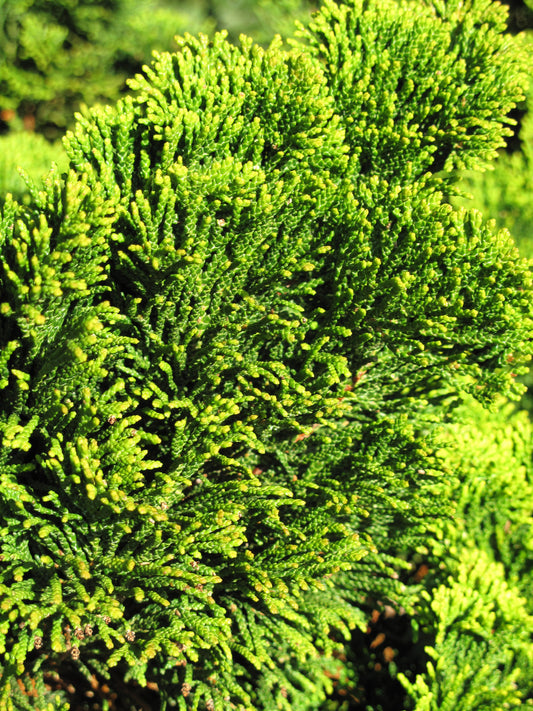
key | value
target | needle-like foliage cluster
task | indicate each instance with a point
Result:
(227, 336)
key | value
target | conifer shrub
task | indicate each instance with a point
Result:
(229, 335)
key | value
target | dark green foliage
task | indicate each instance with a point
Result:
(520, 15)
(467, 643)
(228, 335)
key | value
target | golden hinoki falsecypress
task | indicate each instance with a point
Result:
(228, 334)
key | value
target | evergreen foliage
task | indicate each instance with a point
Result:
(505, 192)
(229, 333)
(477, 602)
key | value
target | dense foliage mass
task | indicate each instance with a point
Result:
(230, 334)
